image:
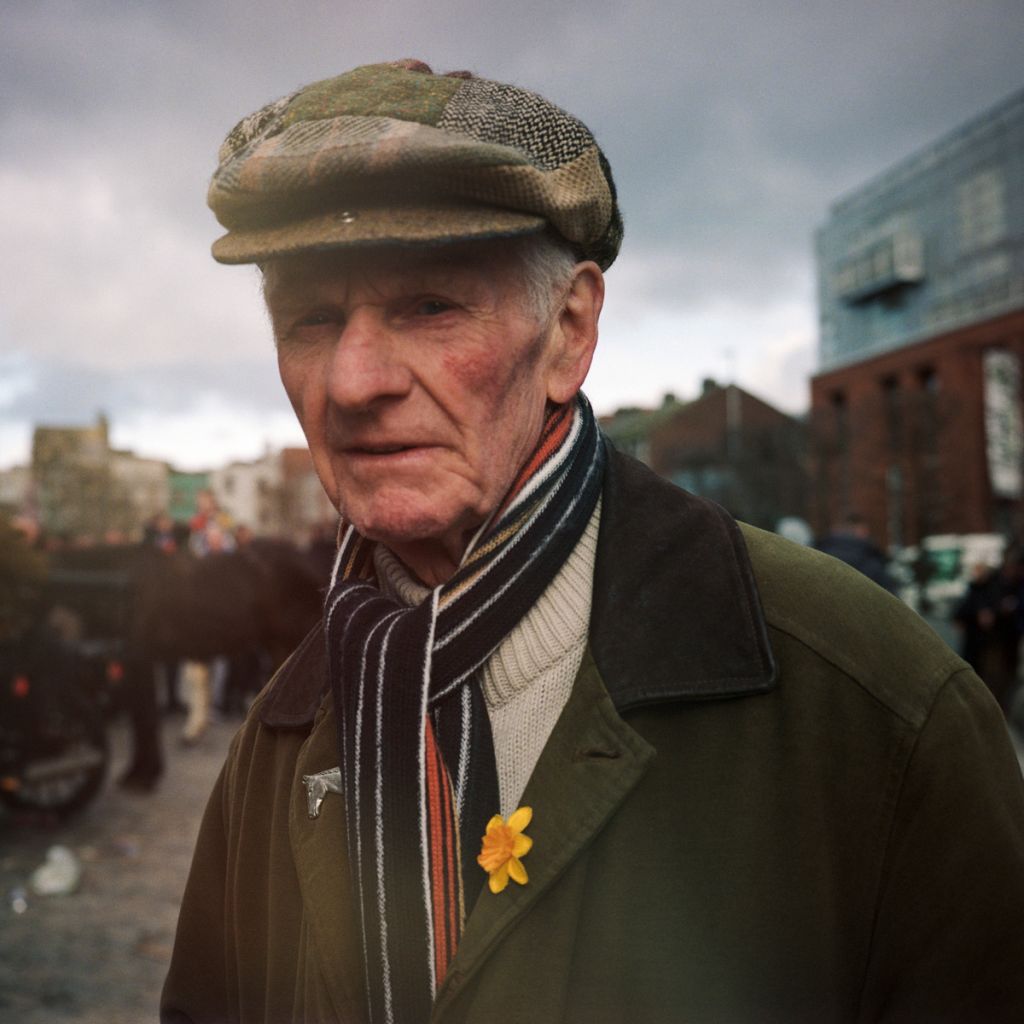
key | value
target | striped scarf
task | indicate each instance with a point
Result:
(416, 753)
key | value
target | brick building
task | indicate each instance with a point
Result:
(925, 440)
(916, 414)
(732, 447)
(727, 445)
(630, 427)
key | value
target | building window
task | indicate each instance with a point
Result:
(893, 410)
(981, 209)
(834, 478)
(839, 416)
(928, 384)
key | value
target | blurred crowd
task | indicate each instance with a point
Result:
(190, 621)
(987, 616)
(990, 620)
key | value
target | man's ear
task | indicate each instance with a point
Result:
(574, 332)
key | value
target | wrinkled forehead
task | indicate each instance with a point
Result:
(493, 264)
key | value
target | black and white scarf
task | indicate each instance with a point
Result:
(416, 753)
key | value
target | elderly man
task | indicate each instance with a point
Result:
(570, 744)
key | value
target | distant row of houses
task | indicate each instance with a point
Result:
(77, 487)
(726, 444)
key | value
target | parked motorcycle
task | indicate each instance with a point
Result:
(56, 683)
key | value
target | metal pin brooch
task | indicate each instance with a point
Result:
(318, 786)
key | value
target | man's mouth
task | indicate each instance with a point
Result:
(379, 449)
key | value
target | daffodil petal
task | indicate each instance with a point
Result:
(499, 878)
(520, 819)
(517, 871)
(495, 822)
(521, 846)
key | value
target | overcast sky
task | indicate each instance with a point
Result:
(731, 127)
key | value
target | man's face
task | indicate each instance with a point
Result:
(420, 380)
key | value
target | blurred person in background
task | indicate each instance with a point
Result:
(851, 542)
(990, 616)
(205, 681)
(245, 667)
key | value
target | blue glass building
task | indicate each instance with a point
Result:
(917, 420)
(934, 244)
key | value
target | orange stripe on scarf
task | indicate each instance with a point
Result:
(451, 861)
(437, 811)
(555, 432)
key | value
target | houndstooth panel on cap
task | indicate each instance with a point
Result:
(508, 116)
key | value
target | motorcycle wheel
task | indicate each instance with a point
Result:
(68, 764)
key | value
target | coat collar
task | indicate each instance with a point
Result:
(683, 593)
(673, 580)
(293, 696)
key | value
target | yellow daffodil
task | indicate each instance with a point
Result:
(504, 844)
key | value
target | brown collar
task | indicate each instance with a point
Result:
(675, 615)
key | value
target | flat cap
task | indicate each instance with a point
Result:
(392, 153)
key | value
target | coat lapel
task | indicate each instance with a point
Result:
(589, 765)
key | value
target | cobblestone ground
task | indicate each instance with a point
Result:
(99, 955)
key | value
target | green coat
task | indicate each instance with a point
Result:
(773, 795)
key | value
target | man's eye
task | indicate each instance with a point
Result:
(432, 307)
(316, 319)
(319, 325)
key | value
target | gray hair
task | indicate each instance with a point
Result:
(545, 265)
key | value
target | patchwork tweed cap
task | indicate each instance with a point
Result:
(392, 153)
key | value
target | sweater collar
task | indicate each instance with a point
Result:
(675, 614)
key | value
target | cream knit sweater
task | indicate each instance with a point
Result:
(527, 680)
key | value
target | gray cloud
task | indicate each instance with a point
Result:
(55, 392)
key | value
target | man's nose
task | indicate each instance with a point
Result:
(366, 364)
